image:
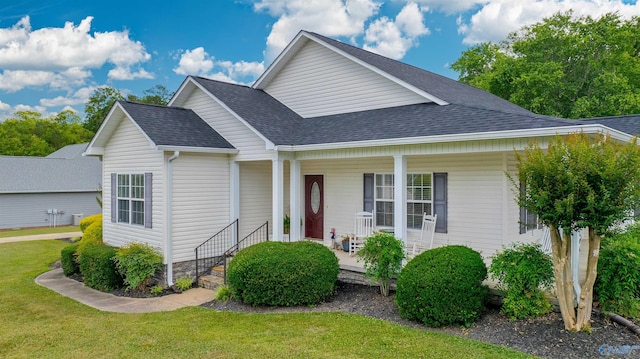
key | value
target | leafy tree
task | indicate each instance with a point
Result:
(29, 134)
(578, 182)
(103, 98)
(99, 105)
(566, 67)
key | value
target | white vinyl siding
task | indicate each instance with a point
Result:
(475, 195)
(318, 82)
(200, 206)
(255, 195)
(128, 151)
(250, 145)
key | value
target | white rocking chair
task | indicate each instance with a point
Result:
(363, 229)
(426, 236)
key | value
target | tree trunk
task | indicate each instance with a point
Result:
(564, 293)
(585, 302)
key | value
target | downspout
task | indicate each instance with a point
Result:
(176, 154)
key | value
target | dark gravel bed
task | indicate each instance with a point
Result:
(544, 337)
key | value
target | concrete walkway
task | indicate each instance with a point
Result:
(56, 281)
(38, 237)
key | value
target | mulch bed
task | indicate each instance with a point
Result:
(544, 337)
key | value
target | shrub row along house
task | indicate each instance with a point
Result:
(49, 191)
(327, 131)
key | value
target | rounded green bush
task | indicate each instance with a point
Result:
(618, 280)
(98, 268)
(283, 274)
(91, 236)
(443, 286)
(89, 220)
(68, 260)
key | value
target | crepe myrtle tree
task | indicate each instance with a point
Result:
(579, 181)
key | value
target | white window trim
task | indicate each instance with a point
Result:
(130, 199)
(376, 199)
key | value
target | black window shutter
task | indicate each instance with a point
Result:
(114, 197)
(367, 206)
(523, 212)
(148, 203)
(440, 201)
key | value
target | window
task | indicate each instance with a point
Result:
(419, 194)
(384, 199)
(528, 220)
(419, 197)
(131, 198)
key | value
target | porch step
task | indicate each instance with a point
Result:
(210, 281)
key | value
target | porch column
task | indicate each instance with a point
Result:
(294, 200)
(277, 183)
(400, 197)
(234, 191)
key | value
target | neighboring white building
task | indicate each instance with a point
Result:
(48, 191)
(328, 130)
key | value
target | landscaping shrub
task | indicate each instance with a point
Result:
(91, 236)
(68, 260)
(283, 274)
(137, 263)
(89, 220)
(521, 270)
(184, 283)
(618, 282)
(382, 255)
(98, 268)
(443, 286)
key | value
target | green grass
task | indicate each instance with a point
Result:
(39, 323)
(32, 231)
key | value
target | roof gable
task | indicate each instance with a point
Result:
(166, 128)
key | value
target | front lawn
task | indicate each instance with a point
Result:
(39, 323)
(33, 231)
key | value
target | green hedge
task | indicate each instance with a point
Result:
(137, 262)
(92, 236)
(618, 282)
(283, 274)
(98, 268)
(68, 260)
(89, 220)
(443, 286)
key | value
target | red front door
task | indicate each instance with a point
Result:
(314, 207)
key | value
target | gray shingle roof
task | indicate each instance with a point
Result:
(416, 121)
(449, 90)
(629, 123)
(266, 114)
(50, 174)
(69, 152)
(174, 126)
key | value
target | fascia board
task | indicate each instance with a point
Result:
(494, 135)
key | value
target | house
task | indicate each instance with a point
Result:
(49, 191)
(328, 130)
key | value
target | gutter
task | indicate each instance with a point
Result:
(176, 154)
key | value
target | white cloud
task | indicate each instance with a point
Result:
(497, 18)
(80, 96)
(451, 6)
(63, 57)
(330, 17)
(198, 62)
(394, 38)
(194, 62)
(4, 106)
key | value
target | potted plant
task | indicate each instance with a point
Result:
(345, 243)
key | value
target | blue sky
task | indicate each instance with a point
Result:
(54, 54)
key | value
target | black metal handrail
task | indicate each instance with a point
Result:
(261, 234)
(212, 251)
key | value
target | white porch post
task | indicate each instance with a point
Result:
(277, 183)
(400, 197)
(234, 191)
(294, 200)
